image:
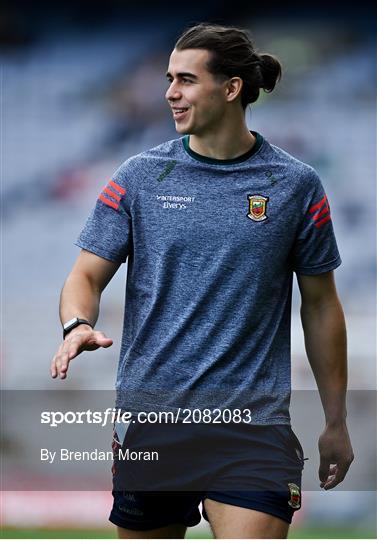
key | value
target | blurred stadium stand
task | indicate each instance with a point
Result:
(82, 91)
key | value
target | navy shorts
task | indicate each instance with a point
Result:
(162, 472)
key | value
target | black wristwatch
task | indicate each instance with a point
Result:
(70, 325)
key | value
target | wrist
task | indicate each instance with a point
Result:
(336, 422)
(70, 325)
(78, 329)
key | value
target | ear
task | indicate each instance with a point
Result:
(233, 88)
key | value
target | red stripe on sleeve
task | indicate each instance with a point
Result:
(111, 193)
(321, 213)
(323, 221)
(118, 188)
(108, 202)
(318, 205)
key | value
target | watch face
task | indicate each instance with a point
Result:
(69, 323)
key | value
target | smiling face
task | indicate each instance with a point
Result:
(198, 100)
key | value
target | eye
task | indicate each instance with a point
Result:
(186, 81)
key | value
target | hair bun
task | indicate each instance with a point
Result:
(271, 71)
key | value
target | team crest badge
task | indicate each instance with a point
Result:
(257, 207)
(295, 499)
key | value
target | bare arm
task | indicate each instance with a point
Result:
(80, 297)
(326, 346)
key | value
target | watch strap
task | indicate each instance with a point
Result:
(70, 325)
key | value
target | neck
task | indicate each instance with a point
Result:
(229, 143)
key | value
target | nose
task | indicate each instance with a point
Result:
(172, 93)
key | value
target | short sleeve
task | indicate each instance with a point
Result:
(107, 231)
(315, 248)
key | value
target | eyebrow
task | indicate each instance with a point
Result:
(182, 74)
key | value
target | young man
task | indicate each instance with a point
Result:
(213, 225)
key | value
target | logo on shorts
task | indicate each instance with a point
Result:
(257, 207)
(295, 500)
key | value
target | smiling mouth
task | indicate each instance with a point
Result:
(179, 112)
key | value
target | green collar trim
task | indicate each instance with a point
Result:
(214, 161)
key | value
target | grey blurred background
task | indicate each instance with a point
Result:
(83, 89)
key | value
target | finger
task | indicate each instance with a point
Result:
(324, 469)
(73, 347)
(73, 350)
(83, 342)
(106, 342)
(330, 483)
(53, 370)
(57, 356)
(332, 472)
(67, 351)
(333, 480)
(103, 340)
(64, 362)
(340, 472)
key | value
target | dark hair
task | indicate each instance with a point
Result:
(233, 55)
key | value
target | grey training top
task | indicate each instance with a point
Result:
(212, 246)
